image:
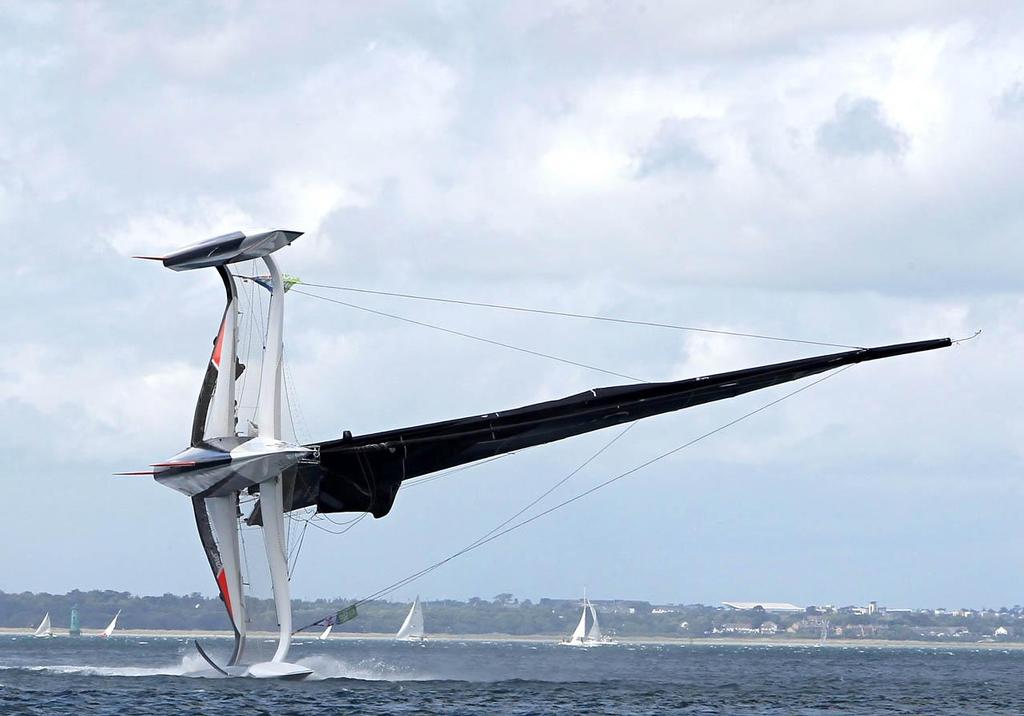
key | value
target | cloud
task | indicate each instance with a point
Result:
(1011, 101)
(676, 162)
(672, 150)
(860, 128)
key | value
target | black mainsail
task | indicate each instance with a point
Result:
(363, 473)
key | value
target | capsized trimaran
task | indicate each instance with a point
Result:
(364, 473)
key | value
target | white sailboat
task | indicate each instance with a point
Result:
(44, 629)
(111, 626)
(412, 627)
(326, 632)
(588, 631)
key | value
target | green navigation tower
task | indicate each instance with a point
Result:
(76, 627)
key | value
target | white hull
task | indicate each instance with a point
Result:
(586, 642)
(277, 670)
(264, 670)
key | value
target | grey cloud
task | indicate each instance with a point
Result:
(860, 128)
(1011, 101)
(672, 150)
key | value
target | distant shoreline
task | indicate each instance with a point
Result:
(185, 634)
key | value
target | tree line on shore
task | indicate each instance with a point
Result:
(504, 615)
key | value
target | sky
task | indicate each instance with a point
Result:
(835, 172)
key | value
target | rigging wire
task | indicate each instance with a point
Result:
(258, 317)
(350, 524)
(451, 471)
(501, 531)
(569, 314)
(470, 336)
(327, 517)
(293, 558)
(293, 398)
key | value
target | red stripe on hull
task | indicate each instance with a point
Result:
(222, 582)
(220, 344)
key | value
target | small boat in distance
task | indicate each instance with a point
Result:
(588, 631)
(111, 626)
(44, 629)
(412, 627)
(326, 632)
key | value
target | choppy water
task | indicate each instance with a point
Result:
(125, 676)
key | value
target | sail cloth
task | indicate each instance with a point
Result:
(412, 627)
(363, 473)
(580, 632)
(595, 629)
(44, 628)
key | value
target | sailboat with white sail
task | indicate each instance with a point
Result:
(412, 627)
(326, 632)
(44, 630)
(106, 633)
(588, 630)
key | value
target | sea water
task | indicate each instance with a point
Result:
(123, 676)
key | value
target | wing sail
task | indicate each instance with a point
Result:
(363, 473)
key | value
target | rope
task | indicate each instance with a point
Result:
(500, 531)
(568, 314)
(470, 336)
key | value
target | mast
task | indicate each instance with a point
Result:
(271, 491)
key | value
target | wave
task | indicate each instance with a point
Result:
(327, 667)
(189, 664)
(192, 665)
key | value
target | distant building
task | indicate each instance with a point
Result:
(779, 607)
